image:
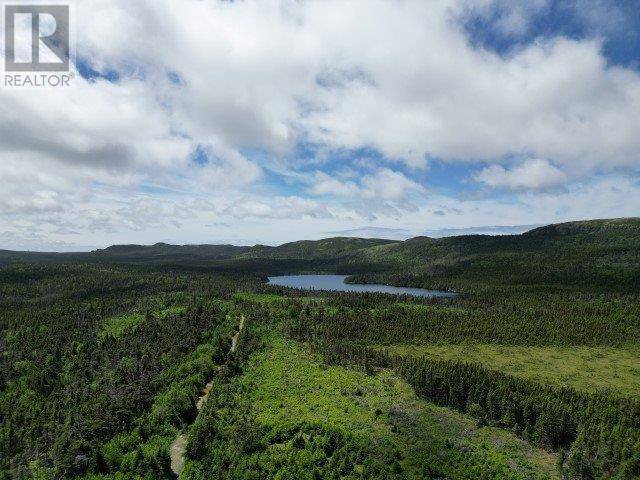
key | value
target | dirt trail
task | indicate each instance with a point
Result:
(234, 340)
(178, 448)
(179, 445)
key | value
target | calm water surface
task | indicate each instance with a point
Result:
(336, 283)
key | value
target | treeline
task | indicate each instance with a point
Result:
(597, 435)
(596, 255)
(142, 451)
(522, 319)
(226, 442)
(76, 401)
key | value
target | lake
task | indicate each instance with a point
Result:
(336, 283)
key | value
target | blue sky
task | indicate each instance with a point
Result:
(265, 122)
(615, 22)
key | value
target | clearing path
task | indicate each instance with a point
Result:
(288, 385)
(177, 450)
(179, 445)
(234, 340)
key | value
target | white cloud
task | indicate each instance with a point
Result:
(226, 168)
(277, 208)
(534, 174)
(397, 78)
(327, 185)
(373, 232)
(384, 184)
(403, 79)
(387, 184)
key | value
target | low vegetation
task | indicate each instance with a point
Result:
(587, 369)
(281, 412)
(531, 372)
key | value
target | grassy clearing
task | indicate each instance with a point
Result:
(263, 298)
(174, 310)
(271, 298)
(288, 386)
(117, 326)
(583, 368)
(160, 306)
(431, 308)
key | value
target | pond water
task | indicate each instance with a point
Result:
(336, 283)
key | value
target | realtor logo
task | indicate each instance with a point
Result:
(36, 38)
(38, 44)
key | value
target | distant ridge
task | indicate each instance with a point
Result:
(629, 224)
(585, 243)
(336, 247)
(165, 249)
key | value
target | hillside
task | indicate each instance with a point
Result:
(9, 256)
(599, 236)
(594, 251)
(325, 249)
(328, 248)
(606, 252)
(162, 251)
(529, 373)
(620, 232)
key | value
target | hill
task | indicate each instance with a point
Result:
(328, 248)
(605, 252)
(106, 356)
(164, 251)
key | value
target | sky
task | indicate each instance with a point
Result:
(244, 122)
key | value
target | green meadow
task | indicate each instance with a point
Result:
(288, 385)
(583, 368)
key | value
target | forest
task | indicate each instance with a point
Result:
(531, 371)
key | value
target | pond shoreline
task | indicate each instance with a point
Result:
(337, 283)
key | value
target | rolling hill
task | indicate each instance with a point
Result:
(605, 251)
(585, 252)
(106, 355)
